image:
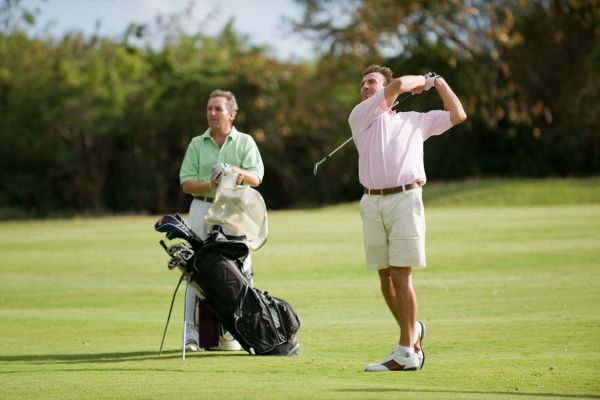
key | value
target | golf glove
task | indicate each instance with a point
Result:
(430, 78)
(218, 170)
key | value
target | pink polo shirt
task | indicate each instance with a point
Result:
(390, 144)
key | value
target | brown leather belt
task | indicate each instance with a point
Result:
(397, 189)
(204, 198)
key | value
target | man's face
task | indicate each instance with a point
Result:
(219, 118)
(370, 84)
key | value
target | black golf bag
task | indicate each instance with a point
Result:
(261, 323)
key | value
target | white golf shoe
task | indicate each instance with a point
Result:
(397, 360)
(228, 343)
(419, 344)
(191, 346)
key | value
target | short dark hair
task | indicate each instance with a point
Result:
(385, 71)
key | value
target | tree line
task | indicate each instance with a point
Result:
(91, 124)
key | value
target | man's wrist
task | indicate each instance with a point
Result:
(430, 79)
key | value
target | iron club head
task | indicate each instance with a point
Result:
(317, 165)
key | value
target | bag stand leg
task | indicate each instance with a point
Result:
(187, 286)
(162, 342)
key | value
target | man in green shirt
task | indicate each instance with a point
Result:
(221, 149)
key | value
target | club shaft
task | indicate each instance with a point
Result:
(336, 149)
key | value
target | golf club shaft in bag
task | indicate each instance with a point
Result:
(400, 99)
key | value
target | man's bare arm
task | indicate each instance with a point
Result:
(408, 83)
(196, 188)
(451, 101)
(246, 177)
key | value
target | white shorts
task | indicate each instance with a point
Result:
(394, 230)
(198, 209)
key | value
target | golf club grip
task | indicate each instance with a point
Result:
(164, 246)
(404, 96)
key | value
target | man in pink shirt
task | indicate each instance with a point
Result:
(391, 170)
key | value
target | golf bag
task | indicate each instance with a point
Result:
(261, 323)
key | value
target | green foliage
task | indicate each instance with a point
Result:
(92, 124)
(63, 111)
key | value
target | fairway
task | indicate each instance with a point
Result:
(510, 299)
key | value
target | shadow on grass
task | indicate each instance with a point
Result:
(463, 392)
(111, 357)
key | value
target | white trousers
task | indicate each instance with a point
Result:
(198, 209)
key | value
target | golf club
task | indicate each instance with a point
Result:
(400, 99)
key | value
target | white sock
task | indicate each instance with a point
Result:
(405, 350)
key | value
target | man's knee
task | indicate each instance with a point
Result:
(401, 276)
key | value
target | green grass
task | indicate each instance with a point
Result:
(510, 298)
(503, 192)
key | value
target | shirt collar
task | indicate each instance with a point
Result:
(234, 133)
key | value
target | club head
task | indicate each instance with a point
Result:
(173, 262)
(174, 226)
(317, 165)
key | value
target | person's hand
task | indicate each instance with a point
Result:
(218, 170)
(430, 78)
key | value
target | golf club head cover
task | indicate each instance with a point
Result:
(174, 226)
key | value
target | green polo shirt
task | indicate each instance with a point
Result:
(202, 153)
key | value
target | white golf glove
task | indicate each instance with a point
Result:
(430, 78)
(218, 170)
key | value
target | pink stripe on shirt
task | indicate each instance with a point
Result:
(390, 144)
